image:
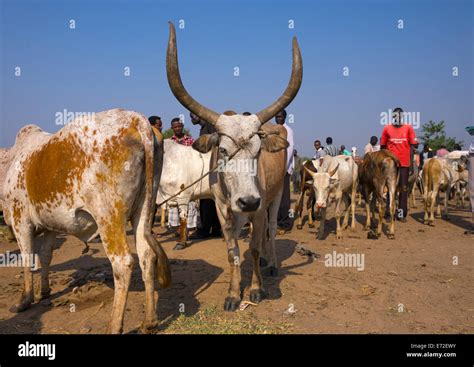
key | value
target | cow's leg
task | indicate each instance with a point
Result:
(438, 205)
(337, 215)
(347, 211)
(353, 205)
(426, 202)
(147, 259)
(299, 210)
(433, 201)
(230, 227)
(112, 233)
(310, 208)
(320, 234)
(46, 254)
(446, 197)
(163, 215)
(373, 203)
(257, 291)
(183, 230)
(367, 210)
(24, 234)
(272, 230)
(392, 192)
(381, 206)
(413, 199)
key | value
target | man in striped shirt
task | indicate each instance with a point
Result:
(330, 148)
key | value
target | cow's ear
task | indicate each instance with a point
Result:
(205, 142)
(274, 143)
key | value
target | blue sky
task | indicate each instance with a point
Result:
(82, 69)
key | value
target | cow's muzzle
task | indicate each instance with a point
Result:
(320, 204)
(248, 203)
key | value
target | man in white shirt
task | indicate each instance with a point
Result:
(284, 220)
(372, 146)
(320, 152)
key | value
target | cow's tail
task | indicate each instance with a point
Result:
(153, 145)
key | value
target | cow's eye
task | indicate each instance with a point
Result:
(223, 151)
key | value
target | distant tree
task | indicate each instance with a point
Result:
(434, 135)
(169, 133)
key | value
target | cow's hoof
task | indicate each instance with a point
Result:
(425, 221)
(273, 270)
(431, 223)
(338, 236)
(371, 235)
(257, 295)
(366, 228)
(263, 262)
(149, 327)
(45, 294)
(231, 304)
(391, 236)
(311, 225)
(20, 307)
(320, 237)
(180, 246)
(299, 226)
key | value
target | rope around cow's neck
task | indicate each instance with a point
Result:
(239, 147)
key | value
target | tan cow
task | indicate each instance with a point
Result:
(379, 175)
(239, 195)
(89, 177)
(438, 175)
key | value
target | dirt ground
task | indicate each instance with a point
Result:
(421, 282)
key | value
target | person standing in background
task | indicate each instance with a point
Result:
(155, 121)
(330, 148)
(372, 145)
(320, 152)
(210, 225)
(296, 176)
(284, 221)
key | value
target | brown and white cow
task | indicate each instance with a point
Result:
(378, 174)
(89, 177)
(241, 196)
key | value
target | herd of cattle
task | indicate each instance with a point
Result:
(374, 177)
(96, 174)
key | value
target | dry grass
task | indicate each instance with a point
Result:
(214, 321)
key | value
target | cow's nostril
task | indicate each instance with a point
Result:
(248, 203)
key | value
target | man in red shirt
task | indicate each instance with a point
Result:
(400, 139)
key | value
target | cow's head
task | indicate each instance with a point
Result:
(236, 132)
(323, 183)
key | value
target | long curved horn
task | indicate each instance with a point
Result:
(290, 91)
(176, 85)
(333, 172)
(311, 173)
